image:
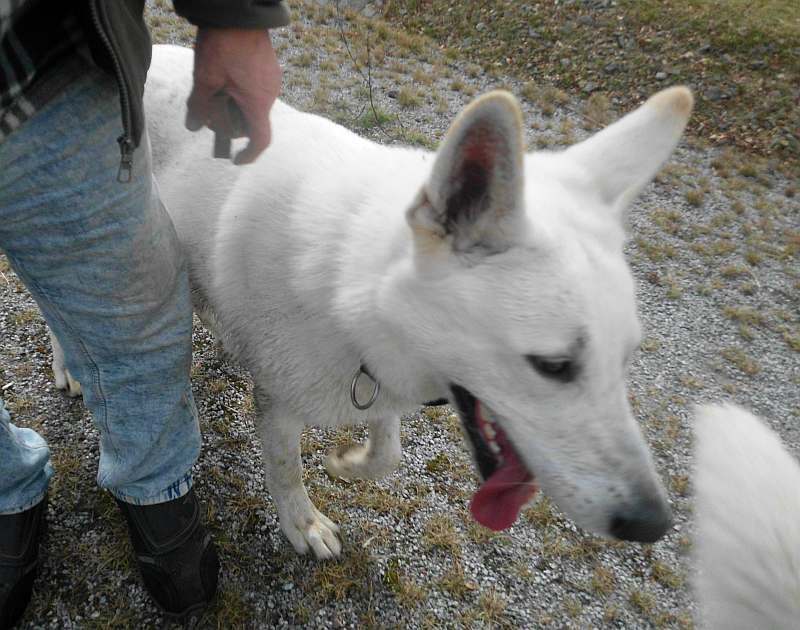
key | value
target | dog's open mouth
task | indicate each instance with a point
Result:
(507, 483)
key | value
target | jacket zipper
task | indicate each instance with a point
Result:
(125, 141)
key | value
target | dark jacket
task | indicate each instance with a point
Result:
(120, 44)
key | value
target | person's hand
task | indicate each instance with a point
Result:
(242, 64)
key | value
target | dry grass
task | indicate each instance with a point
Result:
(742, 53)
(455, 582)
(409, 594)
(738, 358)
(666, 576)
(603, 581)
(440, 533)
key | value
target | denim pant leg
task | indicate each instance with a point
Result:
(103, 262)
(24, 466)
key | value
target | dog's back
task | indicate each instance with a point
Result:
(748, 522)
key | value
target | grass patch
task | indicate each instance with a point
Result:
(650, 344)
(409, 594)
(734, 271)
(642, 601)
(303, 60)
(339, 579)
(367, 495)
(738, 358)
(417, 138)
(541, 514)
(440, 533)
(408, 98)
(479, 534)
(743, 315)
(695, 197)
(792, 339)
(680, 484)
(572, 607)
(597, 111)
(666, 576)
(742, 51)
(456, 583)
(603, 581)
(656, 251)
(374, 117)
(491, 607)
(27, 316)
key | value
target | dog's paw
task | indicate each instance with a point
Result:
(356, 461)
(65, 381)
(311, 529)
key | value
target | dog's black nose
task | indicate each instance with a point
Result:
(646, 522)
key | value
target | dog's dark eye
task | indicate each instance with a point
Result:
(563, 370)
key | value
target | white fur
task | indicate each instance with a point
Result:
(332, 250)
(747, 491)
(61, 374)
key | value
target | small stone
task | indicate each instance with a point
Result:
(611, 68)
(288, 586)
(660, 76)
(392, 93)
(480, 26)
(589, 87)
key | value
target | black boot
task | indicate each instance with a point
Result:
(19, 560)
(177, 559)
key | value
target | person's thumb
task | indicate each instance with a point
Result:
(198, 106)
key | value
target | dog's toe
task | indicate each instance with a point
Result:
(355, 461)
(345, 461)
(313, 531)
(323, 541)
(65, 382)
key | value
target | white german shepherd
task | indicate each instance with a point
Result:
(479, 274)
(747, 491)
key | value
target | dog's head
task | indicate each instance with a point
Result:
(525, 306)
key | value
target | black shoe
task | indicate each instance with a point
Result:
(177, 559)
(19, 560)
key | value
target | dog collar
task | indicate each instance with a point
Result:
(376, 389)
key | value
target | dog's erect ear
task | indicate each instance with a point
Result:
(473, 197)
(625, 156)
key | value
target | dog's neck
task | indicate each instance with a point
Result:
(375, 286)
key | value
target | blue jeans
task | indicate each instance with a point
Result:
(103, 262)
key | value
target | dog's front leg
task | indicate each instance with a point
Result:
(377, 457)
(62, 375)
(304, 525)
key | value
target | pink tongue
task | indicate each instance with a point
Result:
(498, 501)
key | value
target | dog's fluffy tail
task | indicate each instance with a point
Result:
(748, 522)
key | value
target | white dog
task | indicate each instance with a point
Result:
(478, 274)
(747, 492)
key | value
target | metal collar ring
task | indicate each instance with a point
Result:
(354, 383)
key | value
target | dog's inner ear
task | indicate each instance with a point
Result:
(473, 197)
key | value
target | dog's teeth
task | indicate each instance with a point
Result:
(488, 429)
(494, 447)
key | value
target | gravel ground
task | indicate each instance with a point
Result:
(714, 247)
